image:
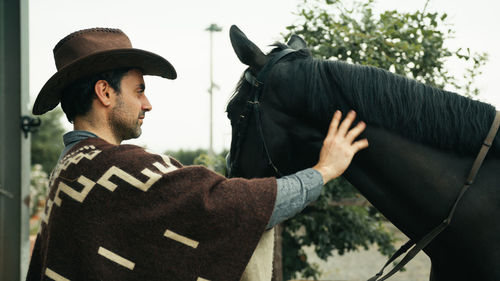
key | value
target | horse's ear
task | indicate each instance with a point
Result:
(246, 50)
(296, 42)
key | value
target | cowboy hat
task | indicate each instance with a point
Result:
(91, 51)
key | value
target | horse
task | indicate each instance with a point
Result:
(422, 142)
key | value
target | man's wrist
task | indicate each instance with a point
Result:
(325, 173)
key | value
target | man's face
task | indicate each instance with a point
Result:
(130, 107)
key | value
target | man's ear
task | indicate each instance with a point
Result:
(103, 92)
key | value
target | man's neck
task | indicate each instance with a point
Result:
(102, 131)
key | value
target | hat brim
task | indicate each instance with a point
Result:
(149, 63)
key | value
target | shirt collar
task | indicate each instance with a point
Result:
(71, 138)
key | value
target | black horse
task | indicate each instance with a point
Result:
(423, 141)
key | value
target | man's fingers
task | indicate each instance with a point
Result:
(361, 144)
(335, 123)
(346, 123)
(356, 131)
(339, 146)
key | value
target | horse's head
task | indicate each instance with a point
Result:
(270, 112)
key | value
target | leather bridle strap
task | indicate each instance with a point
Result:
(256, 109)
(258, 84)
(435, 232)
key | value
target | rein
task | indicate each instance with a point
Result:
(254, 104)
(438, 229)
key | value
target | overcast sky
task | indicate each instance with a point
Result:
(176, 31)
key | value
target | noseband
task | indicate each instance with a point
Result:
(253, 105)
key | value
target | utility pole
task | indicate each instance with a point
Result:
(212, 28)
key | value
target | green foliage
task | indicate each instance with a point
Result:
(215, 162)
(201, 157)
(186, 157)
(46, 143)
(409, 44)
(46, 146)
(39, 186)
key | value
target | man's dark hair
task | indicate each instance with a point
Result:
(77, 98)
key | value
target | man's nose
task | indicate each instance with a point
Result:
(146, 105)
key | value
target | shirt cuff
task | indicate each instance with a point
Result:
(294, 193)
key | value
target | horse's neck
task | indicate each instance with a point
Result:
(411, 184)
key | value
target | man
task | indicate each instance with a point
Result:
(118, 212)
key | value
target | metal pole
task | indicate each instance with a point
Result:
(212, 28)
(211, 89)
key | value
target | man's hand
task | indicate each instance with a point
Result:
(339, 146)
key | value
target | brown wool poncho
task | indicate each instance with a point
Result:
(117, 212)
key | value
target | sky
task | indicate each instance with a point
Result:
(176, 31)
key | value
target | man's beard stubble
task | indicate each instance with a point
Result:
(122, 128)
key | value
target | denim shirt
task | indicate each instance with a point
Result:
(294, 192)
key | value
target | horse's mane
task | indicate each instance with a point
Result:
(412, 109)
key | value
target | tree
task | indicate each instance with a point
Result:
(39, 188)
(186, 157)
(201, 157)
(46, 142)
(216, 162)
(46, 146)
(410, 44)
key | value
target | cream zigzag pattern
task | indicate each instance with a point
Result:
(73, 158)
(115, 171)
(78, 196)
(104, 180)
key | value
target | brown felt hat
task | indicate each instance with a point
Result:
(91, 51)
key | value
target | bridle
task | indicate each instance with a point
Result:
(253, 106)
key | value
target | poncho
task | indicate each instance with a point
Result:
(118, 212)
